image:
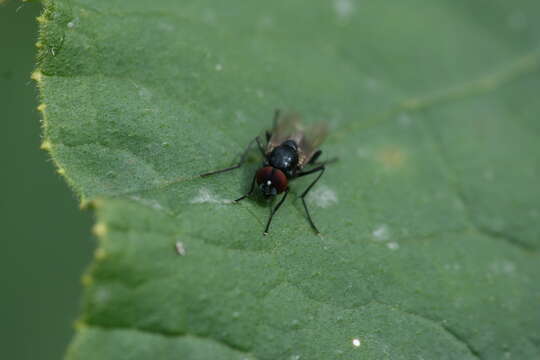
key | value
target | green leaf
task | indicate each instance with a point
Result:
(430, 219)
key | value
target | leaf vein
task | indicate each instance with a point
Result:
(482, 85)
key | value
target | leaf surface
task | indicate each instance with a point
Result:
(430, 219)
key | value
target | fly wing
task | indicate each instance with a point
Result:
(312, 138)
(286, 126)
(289, 127)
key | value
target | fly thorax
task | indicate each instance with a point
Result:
(285, 156)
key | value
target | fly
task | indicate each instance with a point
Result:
(289, 148)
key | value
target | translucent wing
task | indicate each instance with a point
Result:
(286, 127)
(289, 127)
(312, 138)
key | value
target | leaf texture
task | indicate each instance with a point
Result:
(430, 219)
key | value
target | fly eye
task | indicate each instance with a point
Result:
(279, 181)
(264, 175)
(271, 179)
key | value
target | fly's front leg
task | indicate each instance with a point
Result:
(240, 163)
(319, 169)
(274, 211)
(249, 192)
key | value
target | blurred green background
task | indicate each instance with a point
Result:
(46, 241)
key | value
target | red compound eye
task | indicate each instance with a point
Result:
(264, 174)
(277, 178)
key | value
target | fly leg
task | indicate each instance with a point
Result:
(274, 211)
(261, 147)
(319, 169)
(277, 114)
(242, 159)
(315, 157)
(249, 192)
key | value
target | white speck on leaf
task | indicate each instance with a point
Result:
(205, 196)
(392, 245)
(503, 267)
(180, 248)
(363, 153)
(517, 21)
(145, 93)
(404, 120)
(266, 22)
(219, 67)
(148, 202)
(381, 233)
(452, 267)
(322, 196)
(488, 175)
(343, 8)
(372, 84)
(71, 24)
(240, 117)
(356, 342)
(209, 16)
(165, 26)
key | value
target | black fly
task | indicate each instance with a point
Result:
(289, 148)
